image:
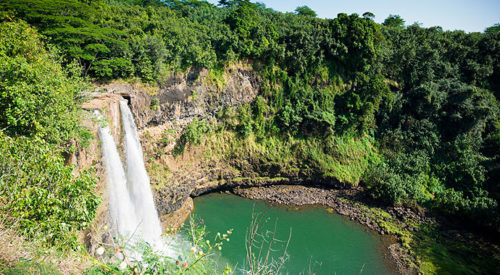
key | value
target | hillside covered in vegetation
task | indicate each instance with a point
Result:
(409, 113)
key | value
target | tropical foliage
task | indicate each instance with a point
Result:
(39, 194)
(420, 104)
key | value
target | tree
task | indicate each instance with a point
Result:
(369, 15)
(225, 3)
(394, 21)
(359, 42)
(38, 115)
(37, 99)
(306, 11)
(229, 3)
(493, 29)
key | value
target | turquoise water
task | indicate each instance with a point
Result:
(320, 241)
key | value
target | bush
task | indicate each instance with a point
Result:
(38, 116)
(37, 98)
(193, 133)
(196, 259)
(40, 192)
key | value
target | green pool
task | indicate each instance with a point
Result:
(322, 242)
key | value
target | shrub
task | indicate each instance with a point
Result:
(37, 98)
(193, 133)
(40, 192)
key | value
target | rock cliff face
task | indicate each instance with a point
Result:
(185, 96)
(161, 114)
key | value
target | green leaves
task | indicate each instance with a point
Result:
(306, 11)
(36, 97)
(41, 192)
(493, 29)
(426, 95)
(112, 68)
(432, 134)
(394, 21)
(38, 113)
(194, 134)
(359, 40)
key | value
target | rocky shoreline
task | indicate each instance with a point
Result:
(344, 202)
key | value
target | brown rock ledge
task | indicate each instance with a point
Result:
(173, 221)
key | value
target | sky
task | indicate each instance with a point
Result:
(467, 15)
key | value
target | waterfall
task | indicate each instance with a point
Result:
(132, 209)
(138, 179)
(123, 217)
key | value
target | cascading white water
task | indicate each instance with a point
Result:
(138, 180)
(132, 210)
(123, 217)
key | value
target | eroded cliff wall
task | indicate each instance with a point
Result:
(162, 112)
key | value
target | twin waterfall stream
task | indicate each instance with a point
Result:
(132, 210)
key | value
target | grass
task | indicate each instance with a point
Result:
(434, 251)
(258, 179)
(25, 266)
(158, 174)
(21, 256)
(226, 145)
(439, 252)
(345, 159)
(216, 78)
